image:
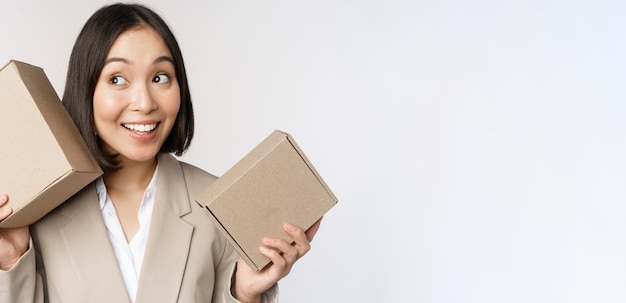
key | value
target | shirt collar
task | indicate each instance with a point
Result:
(101, 189)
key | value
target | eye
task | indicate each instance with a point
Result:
(118, 80)
(161, 78)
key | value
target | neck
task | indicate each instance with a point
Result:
(132, 175)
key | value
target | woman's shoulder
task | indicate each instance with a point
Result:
(196, 178)
(196, 175)
(196, 172)
(169, 160)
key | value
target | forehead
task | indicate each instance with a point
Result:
(139, 42)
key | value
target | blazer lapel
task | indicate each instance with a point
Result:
(91, 251)
(170, 236)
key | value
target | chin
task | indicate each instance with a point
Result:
(141, 157)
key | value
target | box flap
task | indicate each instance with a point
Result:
(47, 200)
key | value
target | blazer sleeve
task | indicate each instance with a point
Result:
(226, 279)
(22, 283)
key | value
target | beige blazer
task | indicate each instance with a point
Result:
(186, 260)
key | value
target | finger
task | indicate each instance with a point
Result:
(300, 239)
(3, 199)
(275, 257)
(310, 233)
(288, 251)
(4, 211)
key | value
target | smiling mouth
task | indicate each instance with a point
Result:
(140, 128)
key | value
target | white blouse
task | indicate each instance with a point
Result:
(129, 254)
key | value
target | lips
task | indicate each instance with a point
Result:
(140, 128)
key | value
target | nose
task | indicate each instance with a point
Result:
(143, 99)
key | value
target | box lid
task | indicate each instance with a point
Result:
(272, 185)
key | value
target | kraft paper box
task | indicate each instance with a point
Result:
(272, 185)
(43, 159)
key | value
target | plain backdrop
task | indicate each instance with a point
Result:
(476, 147)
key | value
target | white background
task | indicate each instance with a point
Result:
(477, 147)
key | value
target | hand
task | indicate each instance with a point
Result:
(250, 284)
(13, 241)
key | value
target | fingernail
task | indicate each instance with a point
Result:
(264, 250)
(268, 240)
(290, 227)
(5, 211)
(3, 198)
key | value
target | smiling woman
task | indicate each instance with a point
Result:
(127, 92)
(122, 45)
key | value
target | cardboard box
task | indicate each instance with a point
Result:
(44, 160)
(272, 185)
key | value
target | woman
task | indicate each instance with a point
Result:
(134, 235)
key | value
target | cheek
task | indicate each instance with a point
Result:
(105, 107)
(172, 108)
(172, 104)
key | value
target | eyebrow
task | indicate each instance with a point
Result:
(164, 59)
(116, 59)
(124, 60)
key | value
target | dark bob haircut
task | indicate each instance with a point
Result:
(87, 60)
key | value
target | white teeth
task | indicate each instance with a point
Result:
(141, 127)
